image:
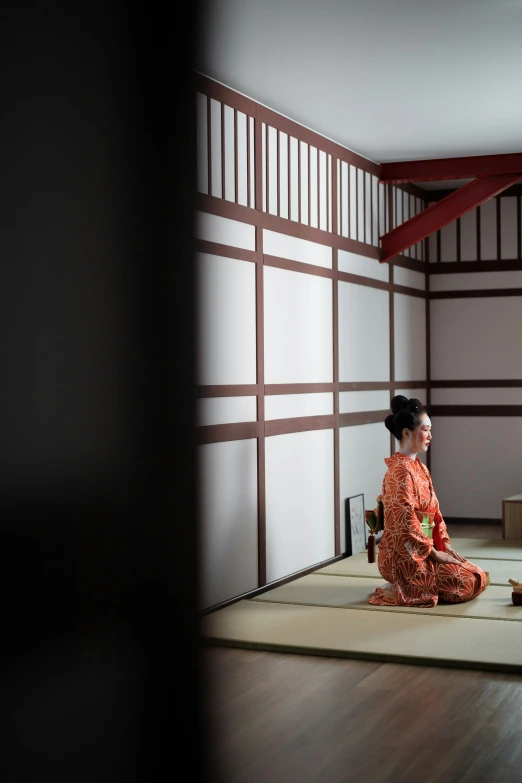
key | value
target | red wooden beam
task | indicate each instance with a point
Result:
(449, 168)
(443, 212)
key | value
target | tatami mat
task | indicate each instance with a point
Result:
(326, 613)
(494, 548)
(350, 633)
(500, 571)
(352, 593)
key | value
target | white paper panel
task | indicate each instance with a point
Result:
(226, 410)
(289, 406)
(360, 265)
(468, 236)
(362, 450)
(202, 135)
(215, 141)
(397, 195)
(230, 175)
(283, 174)
(364, 341)
(272, 170)
(322, 191)
(360, 205)
(488, 230)
(508, 227)
(475, 463)
(448, 242)
(360, 401)
(227, 322)
(409, 277)
(294, 177)
(298, 327)
(285, 246)
(432, 240)
(410, 338)
(228, 497)
(242, 175)
(473, 281)
(313, 187)
(476, 338)
(304, 182)
(224, 231)
(420, 245)
(346, 200)
(368, 209)
(375, 211)
(476, 396)
(353, 202)
(406, 215)
(299, 502)
(382, 210)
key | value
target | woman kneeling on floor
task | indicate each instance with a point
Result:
(420, 566)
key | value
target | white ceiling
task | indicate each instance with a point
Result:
(389, 79)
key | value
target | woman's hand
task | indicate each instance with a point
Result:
(442, 557)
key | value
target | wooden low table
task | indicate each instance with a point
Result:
(512, 518)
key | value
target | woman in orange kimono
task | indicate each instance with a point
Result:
(420, 570)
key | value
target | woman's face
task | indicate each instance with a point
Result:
(421, 435)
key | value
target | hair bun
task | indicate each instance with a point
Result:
(398, 403)
(389, 423)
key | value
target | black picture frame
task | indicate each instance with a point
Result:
(356, 527)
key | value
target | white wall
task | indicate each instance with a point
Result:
(298, 339)
(476, 459)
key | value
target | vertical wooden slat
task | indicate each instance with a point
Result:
(371, 209)
(335, 336)
(378, 214)
(261, 469)
(327, 192)
(318, 179)
(458, 240)
(499, 252)
(236, 166)
(222, 150)
(365, 238)
(209, 146)
(289, 167)
(340, 231)
(334, 196)
(298, 180)
(519, 229)
(479, 253)
(267, 167)
(348, 202)
(278, 154)
(309, 188)
(258, 163)
(249, 200)
(356, 203)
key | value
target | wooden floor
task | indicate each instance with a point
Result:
(280, 718)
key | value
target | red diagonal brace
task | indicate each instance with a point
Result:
(443, 212)
(450, 168)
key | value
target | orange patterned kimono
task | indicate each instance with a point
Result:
(403, 560)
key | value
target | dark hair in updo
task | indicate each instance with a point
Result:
(405, 414)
